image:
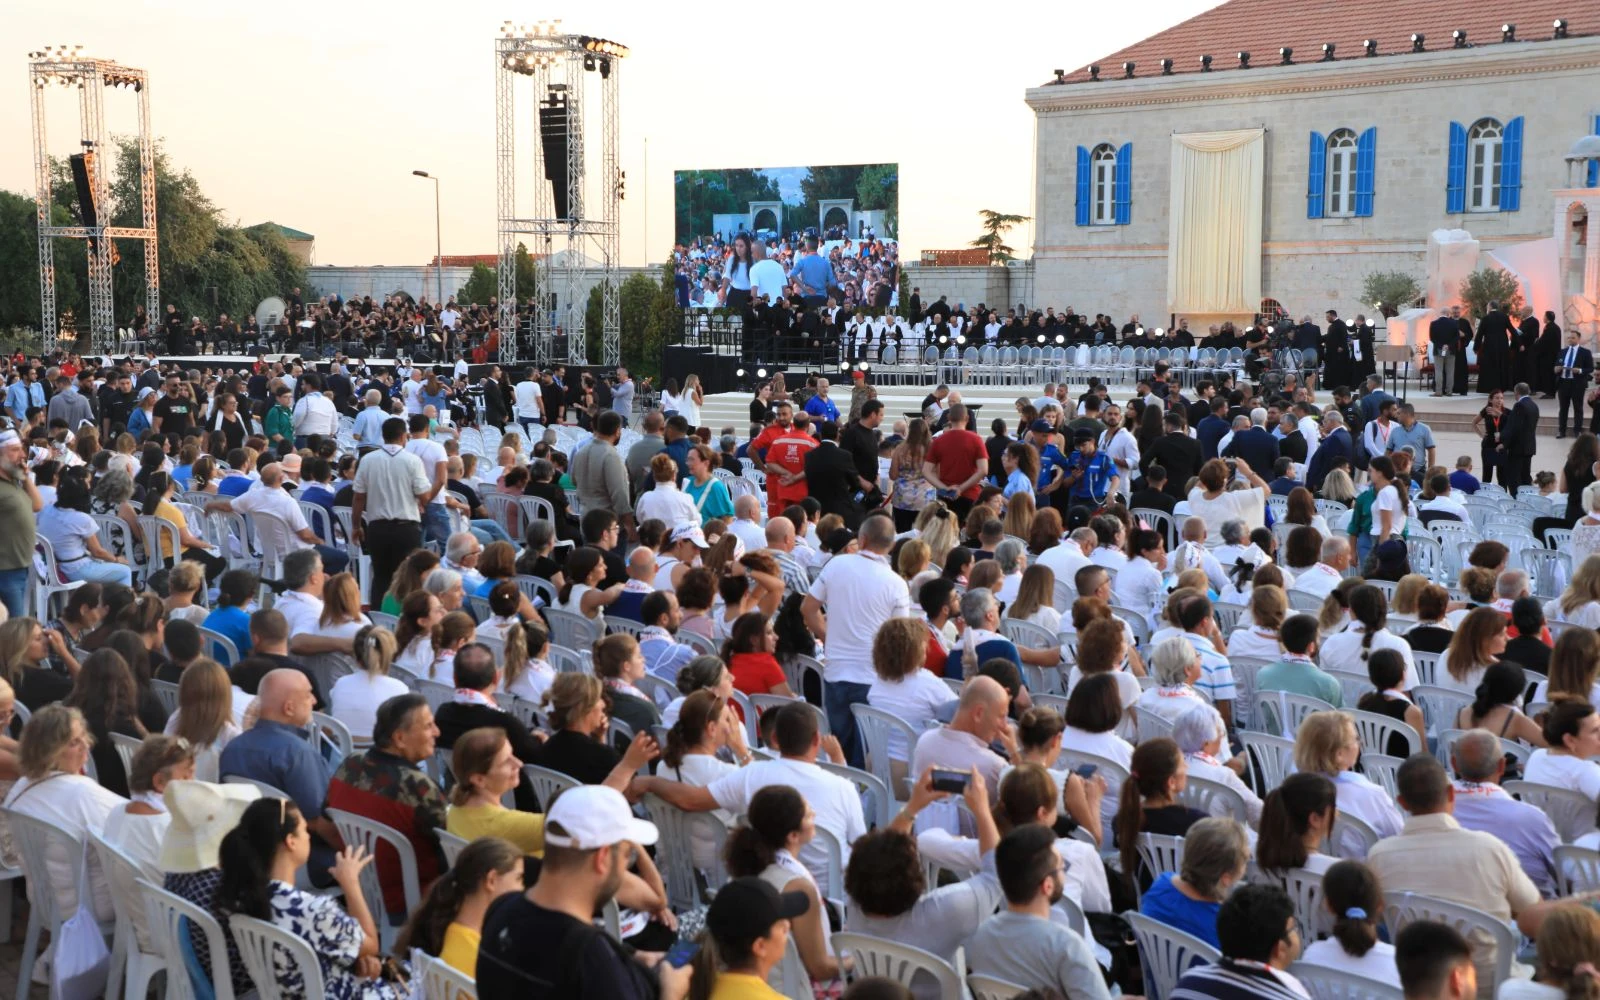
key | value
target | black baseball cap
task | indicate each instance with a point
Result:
(746, 908)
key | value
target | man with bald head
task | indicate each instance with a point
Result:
(1481, 804)
(276, 752)
(746, 524)
(981, 719)
(639, 585)
(780, 542)
(269, 497)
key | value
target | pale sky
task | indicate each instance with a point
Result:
(313, 115)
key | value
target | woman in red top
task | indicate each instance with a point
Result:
(748, 654)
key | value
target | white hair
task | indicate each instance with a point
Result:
(1258, 416)
(1197, 727)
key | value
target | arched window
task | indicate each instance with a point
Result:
(1104, 162)
(1341, 173)
(1485, 153)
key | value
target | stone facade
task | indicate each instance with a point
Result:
(1308, 265)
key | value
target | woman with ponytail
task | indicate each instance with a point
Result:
(450, 920)
(777, 824)
(355, 697)
(746, 942)
(1351, 649)
(706, 724)
(1569, 952)
(1149, 801)
(1495, 706)
(1295, 820)
(1391, 502)
(528, 673)
(1352, 893)
(259, 859)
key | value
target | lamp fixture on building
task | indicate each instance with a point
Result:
(1327, 51)
(1205, 64)
(1460, 38)
(1418, 42)
(1166, 67)
(1561, 27)
(1508, 32)
(1094, 72)
(1286, 54)
(1371, 45)
(1127, 70)
(1061, 75)
(1244, 60)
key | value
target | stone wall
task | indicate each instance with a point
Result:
(996, 287)
(1308, 265)
(379, 281)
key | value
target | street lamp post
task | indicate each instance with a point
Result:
(438, 259)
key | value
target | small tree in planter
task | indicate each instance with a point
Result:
(1390, 291)
(1491, 285)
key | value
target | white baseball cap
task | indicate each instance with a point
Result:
(691, 532)
(595, 816)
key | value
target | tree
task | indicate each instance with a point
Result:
(1390, 291)
(527, 274)
(1491, 285)
(640, 350)
(995, 227)
(482, 285)
(698, 195)
(19, 264)
(878, 189)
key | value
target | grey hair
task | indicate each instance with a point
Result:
(1197, 727)
(116, 486)
(1084, 536)
(540, 534)
(459, 545)
(1476, 755)
(1513, 583)
(1233, 531)
(441, 581)
(299, 566)
(1333, 547)
(1258, 416)
(1333, 418)
(1170, 660)
(1008, 553)
(877, 534)
(728, 442)
(975, 605)
(1213, 849)
(541, 469)
(1241, 423)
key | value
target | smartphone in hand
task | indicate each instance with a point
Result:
(946, 780)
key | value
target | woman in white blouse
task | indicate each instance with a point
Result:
(1579, 604)
(904, 686)
(341, 608)
(355, 697)
(1585, 541)
(1328, 744)
(1479, 640)
(1574, 668)
(664, 500)
(1176, 666)
(1295, 820)
(1269, 606)
(1349, 649)
(1391, 504)
(1201, 734)
(1352, 893)
(706, 724)
(1034, 600)
(1214, 503)
(1108, 533)
(1093, 711)
(137, 828)
(414, 633)
(1572, 729)
(1012, 558)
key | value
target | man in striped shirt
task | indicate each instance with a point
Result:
(1216, 673)
(1260, 939)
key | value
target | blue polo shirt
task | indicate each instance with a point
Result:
(1049, 458)
(814, 272)
(1096, 480)
(822, 407)
(281, 756)
(233, 623)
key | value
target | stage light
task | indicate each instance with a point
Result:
(1166, 67)
(961, 340)
(864, 366)
(588, 62)
(1508, 32)
(844, 366)
(1418, 41)
(1127, 70)
(1244, 60)
(1286, 54)
(1041, 338)
(739, 373)
(943, 341)
(1561, 27)
(1160, 332)
(1205, 64)
(1460, 38)
(1327, 51)
(761, 373)
(1061, 339)
(1371, 45)
(1094, 72)
(1138, 331)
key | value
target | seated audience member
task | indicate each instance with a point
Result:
(1296, 671)
(1494, 707)
(619, 663)
(356, 696)
(1368, 631)
(1434, 962)
(664, 655)
(1149, 802)
(748, 652)
(1569, 939)
(1259, 939)
(1176, 666)
(748, 929)
(1352, 894)
(981, 639)
(575, 708)
(449, 923)
(1386, 670)
(980, 720)
(235, 589)
(903, 685)
(1327, 744)
(1201, 736)
(474, 706)
(1296, 818)
(485, 769)
(1481, 804)
(204, 719)
(1432, 632)
(1572, 730)
(1215, 855)
(1574, 668)
(200, 815)
(1431, 853)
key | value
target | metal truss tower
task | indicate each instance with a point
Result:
(561, 66)
(66, 68)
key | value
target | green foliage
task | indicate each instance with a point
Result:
(700, 194)
(874, 187)
(641, 347)
(1390, 291)
(995, 227)
(19, 264)
(481, 286)
(1491, 285)
(594, 324)
(527, 274)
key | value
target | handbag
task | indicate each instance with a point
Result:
(82, 962)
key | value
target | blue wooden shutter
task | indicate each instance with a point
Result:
(1455, 195)
(1594, 165)
(1511, 166)
(1366, 168)
(1084, 181)
(1122, 188)
(1316, 175)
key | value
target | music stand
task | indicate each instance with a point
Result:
(1392, 356)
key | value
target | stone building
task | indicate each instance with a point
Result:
(1284, 149)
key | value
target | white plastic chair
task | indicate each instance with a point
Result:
(547, 784)
(571, 630)
(1402, 908)
(219, 647)
(452, 846)
(370, 833)
(1383, 770)
(126, 747)
(1160, 853)
(1274, 755)
(877, 805)
(1441, 706)
(258, 940)
(875, 956)
(1305, 889)
(675, 851)
(171, 918)
(875, 726)
(1351, 838)
(1166, 953)
(1572, 812)
(1577, 869)
(1281, 712)
(1214, 798)
(990, 988)
(1326, 983)
(42, 845)
(135, 957)
(443, 981)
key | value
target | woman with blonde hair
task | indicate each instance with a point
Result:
(576, 710)
(184, 583)
(1327, 744)
(486, 768)
(355, 697)
(137, 829)
(1019, 516)
(408, 579)
(341, 608)
(1574, 669)
(911, 491)
(912, 560)
(1406, 592)
(1269, 606)
(205, 715)
(619, 663)
(414, 633)
(1478, 641)
(527, 670)
(1579, 603)
(1035, 601)
(938, 526)
(1338, 486)
(1568, 945)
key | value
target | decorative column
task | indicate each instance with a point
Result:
(1591, 253)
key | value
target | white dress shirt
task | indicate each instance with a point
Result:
(667, 503)
(1123, 449)
(1064, 560)
(1563, 770)
(315, 414)
(303, 612)
(1139, 586)
(750, 533)
(1342, 651)
(916, 698)
(1367, 801)
(1318, 580)
(860, 592)
(274, 500)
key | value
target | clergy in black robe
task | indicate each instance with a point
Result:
(1546, 355)
(1337, 366)
(1465, 326)
(1526, 348)
(1365, 334)
(1493, 344)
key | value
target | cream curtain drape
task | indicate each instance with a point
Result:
(1214, 255)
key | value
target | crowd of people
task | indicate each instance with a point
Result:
(1032, 650)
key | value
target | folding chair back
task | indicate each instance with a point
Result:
(1166, 953)
(262, 945)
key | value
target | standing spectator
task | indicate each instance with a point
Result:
(599, 475)
(622, 396)
(314, 413)
(860, 591)
(390, 483)
(528, 404)
(20, 503)
(956, 462)
(1519, 439)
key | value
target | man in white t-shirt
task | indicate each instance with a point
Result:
(411, 391)
(1071, 555)
(527, 402)
(269, 497)
(834, 800)
(767, 277)
(436, 466)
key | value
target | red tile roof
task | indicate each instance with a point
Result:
(1262, 27)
